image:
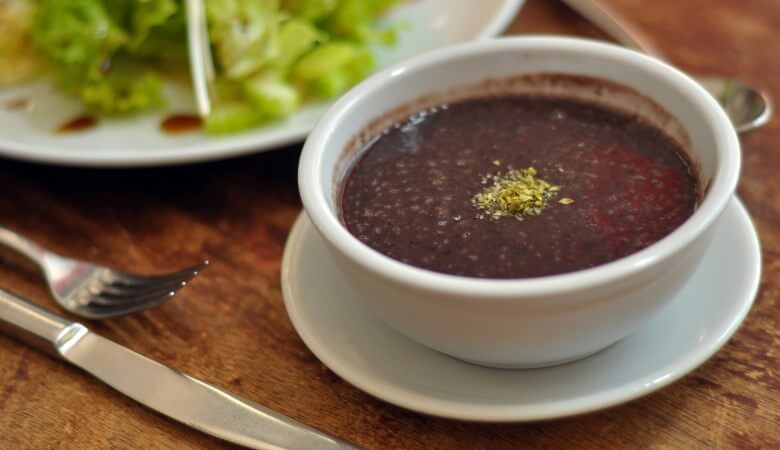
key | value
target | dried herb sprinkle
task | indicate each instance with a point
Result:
(517, 193)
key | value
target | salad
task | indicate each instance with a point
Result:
(271, 55)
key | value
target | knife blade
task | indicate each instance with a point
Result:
(177, 395)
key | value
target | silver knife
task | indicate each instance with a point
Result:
(165, 390)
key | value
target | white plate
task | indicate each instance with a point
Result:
(373, 357)
(138, 141)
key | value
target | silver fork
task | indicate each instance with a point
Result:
(98, 292)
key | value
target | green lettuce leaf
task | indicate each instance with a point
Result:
(296, 38)
(272, 95)
(356, 20)
(244, 34)
(332, 68)
(232, 117)
(271, 55)
(93, 47)
(310, 10)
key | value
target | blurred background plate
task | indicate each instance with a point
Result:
(28, 131)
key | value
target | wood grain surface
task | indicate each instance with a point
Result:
(230, 326)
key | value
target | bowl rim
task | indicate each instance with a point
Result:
(326, 221)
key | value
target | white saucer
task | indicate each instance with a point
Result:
(375, 358)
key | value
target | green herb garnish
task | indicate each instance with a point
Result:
(518, 193)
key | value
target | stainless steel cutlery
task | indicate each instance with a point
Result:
(97, 292)
(165, 390)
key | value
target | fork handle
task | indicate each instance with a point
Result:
(21, 244)
(34, 325)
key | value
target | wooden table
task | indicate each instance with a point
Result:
(230, 327)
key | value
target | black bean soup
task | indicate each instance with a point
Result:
(620, 185)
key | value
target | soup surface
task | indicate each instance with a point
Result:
(417, 192)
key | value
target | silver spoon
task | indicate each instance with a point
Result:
(747, 108)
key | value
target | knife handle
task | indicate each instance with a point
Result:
(36, 326)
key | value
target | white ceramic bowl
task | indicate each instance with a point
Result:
(525, 322)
